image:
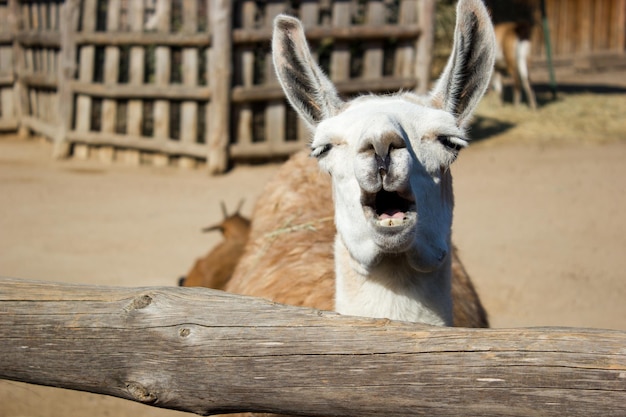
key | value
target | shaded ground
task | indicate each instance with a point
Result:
(539, 221)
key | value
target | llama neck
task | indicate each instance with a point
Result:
(392, 289)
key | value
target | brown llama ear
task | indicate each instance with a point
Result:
(468, 71)
(307, 88)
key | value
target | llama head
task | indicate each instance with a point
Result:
(388, 156)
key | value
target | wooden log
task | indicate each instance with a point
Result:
(205, 351)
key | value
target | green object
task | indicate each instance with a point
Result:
(546, 36)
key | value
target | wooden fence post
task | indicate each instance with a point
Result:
(163, 73)
(207, 352)
(67, 68)
(22, 107)
(219, 67)
(425, 44)
(86, 69)
(190, 62)
(110, 78)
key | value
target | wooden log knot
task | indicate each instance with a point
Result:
(139, 302)
(140, 393)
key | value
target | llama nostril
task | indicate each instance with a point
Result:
(382, 164)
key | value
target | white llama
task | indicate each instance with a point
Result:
(388, 158)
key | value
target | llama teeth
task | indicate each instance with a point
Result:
(390, 222)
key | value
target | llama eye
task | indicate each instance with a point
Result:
(453, 143)
(320, 151)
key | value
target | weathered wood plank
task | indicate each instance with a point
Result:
(220, 58)
(373, 57)
(350, 86)
(190, 63)
(86, 69)
(425, 45)
(342, 32)
(147, 91)
(275, 110)
(134, 112)
(404, 58)
(340, 56)
(247, 354)
(264, 150)
(22, 106)
(244, 72)
(40, 126)
(309, 15)
(138, 143)
(39, 38)
(111, 67)
(162, 74)
(617, 32)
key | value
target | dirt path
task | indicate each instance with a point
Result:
(541, 228)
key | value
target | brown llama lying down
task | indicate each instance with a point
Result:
(389, 162)
(216, 267)
(313, 234)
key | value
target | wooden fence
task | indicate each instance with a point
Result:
(182, 81)
(167, 81)
(206, 352)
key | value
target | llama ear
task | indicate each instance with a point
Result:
(308, 90)
(468, 71)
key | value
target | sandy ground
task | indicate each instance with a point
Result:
(540, 224)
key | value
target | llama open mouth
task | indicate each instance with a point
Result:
(388, 209)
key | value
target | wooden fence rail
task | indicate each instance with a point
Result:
(206, 351)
